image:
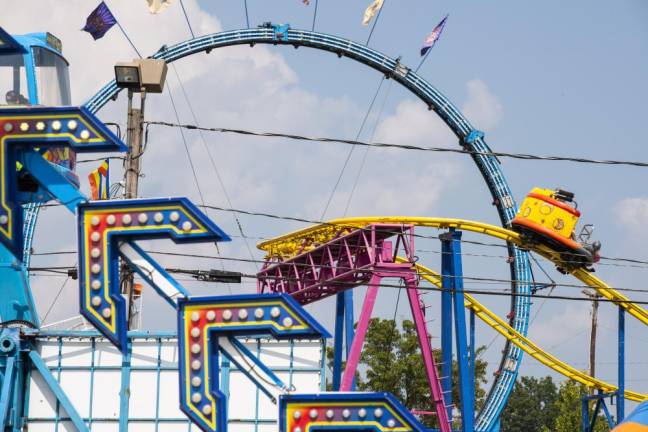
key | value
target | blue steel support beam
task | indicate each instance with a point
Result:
(76, 419)
(468, 136)
(453, 273)
(584, 415)
(124, 392)
(338, 341)
(621, 366)
(472, 348)
(7, 385)
(446, 322)
(349, 331)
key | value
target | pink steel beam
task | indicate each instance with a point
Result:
(409, 275)
(363, 256)
(340, 264)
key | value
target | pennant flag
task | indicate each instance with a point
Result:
(99, 181)
(371, 11)
(306, 2)
(99, 21)
(157, 6)
(433, 37)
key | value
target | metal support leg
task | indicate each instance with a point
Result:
(466, 387)
(76, 419)
(361, 331)
(124, 392)
(472, 358)
(5, 396)
(428, 357)
(348, 326)
(446, 324)
(338, 343)
(621, 366)
(584, 415)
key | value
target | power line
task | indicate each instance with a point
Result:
(366, 152)
(638, 263)
(186, 147)
(193, 36)
(476, 279)
(373, 26)
(501, 293)
(213, 164)
(315, 15)
(522, 156)
(247, 17)
(350, 153)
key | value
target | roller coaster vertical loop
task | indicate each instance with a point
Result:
(469, 138)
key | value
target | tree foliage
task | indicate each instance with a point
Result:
(537, 405)
(532, 405)
(391, 361)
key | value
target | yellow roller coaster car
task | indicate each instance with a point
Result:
(548, 217)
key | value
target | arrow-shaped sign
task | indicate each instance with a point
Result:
(22, 132)
(207, 325)
(107, 228)
(379, 412)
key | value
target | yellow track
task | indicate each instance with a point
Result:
(526, 345)
(296, 242)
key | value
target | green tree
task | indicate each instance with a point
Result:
(568, 407)
(532, 405)
(391, 361)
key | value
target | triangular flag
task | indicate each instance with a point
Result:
(371, 11)
(157, 6)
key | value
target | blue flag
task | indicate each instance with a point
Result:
(99, 21)
(434, 36)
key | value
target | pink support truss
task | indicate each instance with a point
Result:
(362, 257)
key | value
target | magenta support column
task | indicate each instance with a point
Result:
(361, 331)
(428, 357)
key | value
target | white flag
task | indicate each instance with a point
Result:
(371, 11)
(157, 6)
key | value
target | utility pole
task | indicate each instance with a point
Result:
(132, 172)
(594, 296)
(139, 76)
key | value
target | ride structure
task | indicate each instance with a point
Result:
(302, 267)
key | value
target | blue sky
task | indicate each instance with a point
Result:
(550, 78)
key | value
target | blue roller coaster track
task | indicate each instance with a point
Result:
(469, 138)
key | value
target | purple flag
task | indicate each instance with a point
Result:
(433, 37)
(99, 21)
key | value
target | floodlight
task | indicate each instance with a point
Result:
(148, 75)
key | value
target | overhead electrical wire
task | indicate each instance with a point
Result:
(366, 152)
(373, 26)
(213, 164)
(475, 279)
(184, 11)
(314, 15)
(637, 262)
(500, 292)
(191, 164)
(352, 149)
(522, 156)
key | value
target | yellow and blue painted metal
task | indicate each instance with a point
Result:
(202, 321)
(378, 412)
(103, 225)
(527, 345)
(33, 130)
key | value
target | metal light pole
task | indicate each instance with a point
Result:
(139, 76)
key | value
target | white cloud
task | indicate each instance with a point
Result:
(568, 326)
(482, 108)
(632, 212)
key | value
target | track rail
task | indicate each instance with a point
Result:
(288, 244)
(469, 138)
(524, 343)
